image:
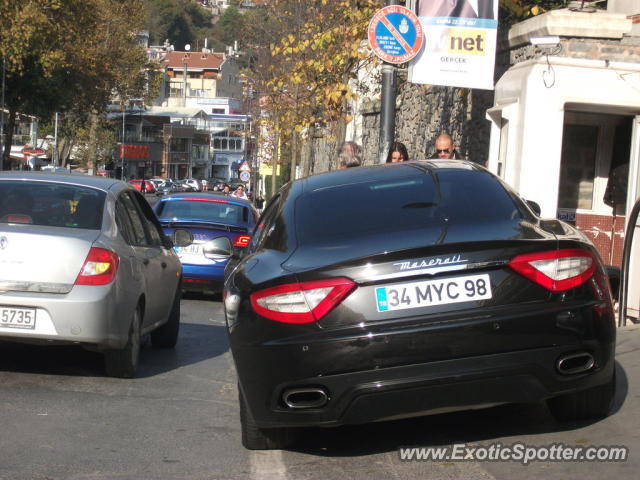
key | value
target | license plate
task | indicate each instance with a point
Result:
(193, 249)
(433, 292)
(18, 317)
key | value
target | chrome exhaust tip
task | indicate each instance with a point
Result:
(299, 398)
(575, 363)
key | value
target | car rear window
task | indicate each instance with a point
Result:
(216, 211)
(51, 204)
(450, 197)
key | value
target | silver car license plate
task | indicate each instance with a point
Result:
(18, 317)
(433, 292)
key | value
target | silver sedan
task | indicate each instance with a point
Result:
(84, 261)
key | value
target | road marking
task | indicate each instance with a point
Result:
(267, 465)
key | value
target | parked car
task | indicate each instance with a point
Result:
(206, 216)
(193, 183)
(184, 186)
(149, 187)
(85, 262)
(158, 182)
(405, 289)
(169, 187)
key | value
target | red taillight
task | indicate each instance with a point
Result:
(241, 241)
(303, 302)
(99, 268)
(556, 270)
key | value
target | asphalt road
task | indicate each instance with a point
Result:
(61, 418)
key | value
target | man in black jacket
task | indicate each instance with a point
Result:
(445, 148)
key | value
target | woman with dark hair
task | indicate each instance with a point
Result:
(397, 153)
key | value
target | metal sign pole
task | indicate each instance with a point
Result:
(388, 106)
(387, 111)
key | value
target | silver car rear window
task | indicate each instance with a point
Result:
(51, 204)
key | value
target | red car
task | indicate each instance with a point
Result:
(148, 186)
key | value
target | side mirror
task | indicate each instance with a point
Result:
(182, 238)
(219, 246)
(534, 206)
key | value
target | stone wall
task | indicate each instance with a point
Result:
(625, 50)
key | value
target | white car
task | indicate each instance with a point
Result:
(192, 182)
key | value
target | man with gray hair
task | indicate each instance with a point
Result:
(348, 160)
(349, 155)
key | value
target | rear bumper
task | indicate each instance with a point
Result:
(434, 387)
(202, 278)
(88, 315)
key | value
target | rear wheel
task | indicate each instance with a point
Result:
(123, 362)
(594, 402)
(166, 336)
(255, 438)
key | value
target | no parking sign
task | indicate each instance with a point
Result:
(395, 34)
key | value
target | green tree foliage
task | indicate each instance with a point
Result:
(230, 26)
(182, 22)
(513, 11)
(70, 56)
(306, 54)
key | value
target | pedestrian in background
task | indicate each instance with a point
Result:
(239, 193)
(351, 148)
(226, 190)
(348, 160)
(397, 153)
(259, 203)
(445, 148)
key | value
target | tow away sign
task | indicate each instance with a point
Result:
(395, 34)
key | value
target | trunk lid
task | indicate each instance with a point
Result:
(42, 259)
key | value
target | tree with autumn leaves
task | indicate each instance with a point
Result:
(70, 56)
(304, 58)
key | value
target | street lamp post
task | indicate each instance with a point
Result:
(122, 144)
(185, 61)
(2, 142)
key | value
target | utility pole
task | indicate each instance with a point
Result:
(387, 106)
(122, 143)
(55, 142)
(2, 140)
(185, 61)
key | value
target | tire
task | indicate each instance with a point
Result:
(123, 363)
(595, 402)
(255, 438)
(166, 336)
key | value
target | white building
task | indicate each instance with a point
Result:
(565, 123)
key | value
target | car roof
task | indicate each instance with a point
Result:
(101, 183)
(382, 171)
(187, 195)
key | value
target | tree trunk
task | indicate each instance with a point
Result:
(309, 152)
(295, 143)
(8, 135)
(93, 142)
(274, 161)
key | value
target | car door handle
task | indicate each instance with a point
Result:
(145, 261)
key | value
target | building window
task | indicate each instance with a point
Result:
(578, 166)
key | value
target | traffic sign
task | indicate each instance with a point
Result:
(244, 176)
(395, 34)
(244, 167)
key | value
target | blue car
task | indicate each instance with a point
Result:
(206, 216)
